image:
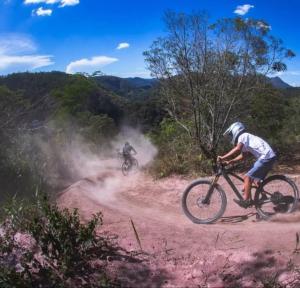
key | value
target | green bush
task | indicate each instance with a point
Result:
(178, 154)
(10, 278)
(275, 117)
(63, 248)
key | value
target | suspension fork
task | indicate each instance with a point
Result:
(211, 189)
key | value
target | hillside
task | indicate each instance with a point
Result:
(44, 90)
(277, 82)
(136, 89)
(43, 108)
(292, 91)
(97, 109)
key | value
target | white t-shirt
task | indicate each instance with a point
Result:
(256, 146)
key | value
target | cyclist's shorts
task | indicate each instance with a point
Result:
(261, 168)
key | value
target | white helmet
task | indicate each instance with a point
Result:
(234, 131)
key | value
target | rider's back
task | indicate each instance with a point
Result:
(127, 149)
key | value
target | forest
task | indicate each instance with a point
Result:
(55, 105)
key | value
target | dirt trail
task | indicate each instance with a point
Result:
(182, 254)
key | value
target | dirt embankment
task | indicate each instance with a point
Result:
(237, 251)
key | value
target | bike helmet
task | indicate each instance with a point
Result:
(234, 131)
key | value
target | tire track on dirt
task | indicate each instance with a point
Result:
(157, 203)
(187, 252)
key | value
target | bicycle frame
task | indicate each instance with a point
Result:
(222, 172)
(229, 181)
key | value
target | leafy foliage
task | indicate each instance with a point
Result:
(65, 243)
(177, 154)
(34, 103)
(133, 89)
(62, 248)
(207, 71)
(266, 114)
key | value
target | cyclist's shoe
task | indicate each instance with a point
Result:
(243, 203)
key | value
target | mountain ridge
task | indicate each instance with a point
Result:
(277, 82)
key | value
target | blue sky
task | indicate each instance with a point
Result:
(84, 35)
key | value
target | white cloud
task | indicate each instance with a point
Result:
(291, 77)
(63, 3)
(25, 61)
(123, 45)
(294, 73)
(68, 3)
(15, 43)
(142, 73)
(42, 12)
(89, 65)
(243, 9)
(291, 73)
(48, 12)
(41, 1)
(16, 52)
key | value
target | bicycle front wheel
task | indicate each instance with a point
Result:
(125, 168)
(194, 207)
(277, 194)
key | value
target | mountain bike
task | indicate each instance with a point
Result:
(130, 165)
(205, 201)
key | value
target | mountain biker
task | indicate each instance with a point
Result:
(245, 142)
(128, 151)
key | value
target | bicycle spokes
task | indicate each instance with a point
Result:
(203, 203)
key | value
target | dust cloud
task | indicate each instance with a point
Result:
(62, 160)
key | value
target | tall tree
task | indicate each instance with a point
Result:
(208, 71)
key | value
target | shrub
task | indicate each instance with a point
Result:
(62, 253)
(177, 152)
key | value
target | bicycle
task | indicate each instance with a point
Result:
(129, 165)
(203, 196)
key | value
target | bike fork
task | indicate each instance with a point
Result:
(210, 190)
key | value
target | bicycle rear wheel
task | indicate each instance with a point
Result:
(194, 207)
(277, 194)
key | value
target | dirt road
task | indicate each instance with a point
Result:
(236, 251)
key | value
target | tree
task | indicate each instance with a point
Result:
(208, 71)
(13, 107)
(267, 115)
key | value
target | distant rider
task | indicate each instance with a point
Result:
(128, 151)
(245, 142)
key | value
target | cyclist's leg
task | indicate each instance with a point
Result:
(247, 187)
(125, 156)
(256, 174)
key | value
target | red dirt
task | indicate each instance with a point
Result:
(236, 251)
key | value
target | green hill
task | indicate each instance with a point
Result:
(135, 89)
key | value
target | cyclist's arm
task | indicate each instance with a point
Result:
(237, 149)
(134, 151)
(237, 159)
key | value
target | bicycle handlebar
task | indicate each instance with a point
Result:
(220, 166)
